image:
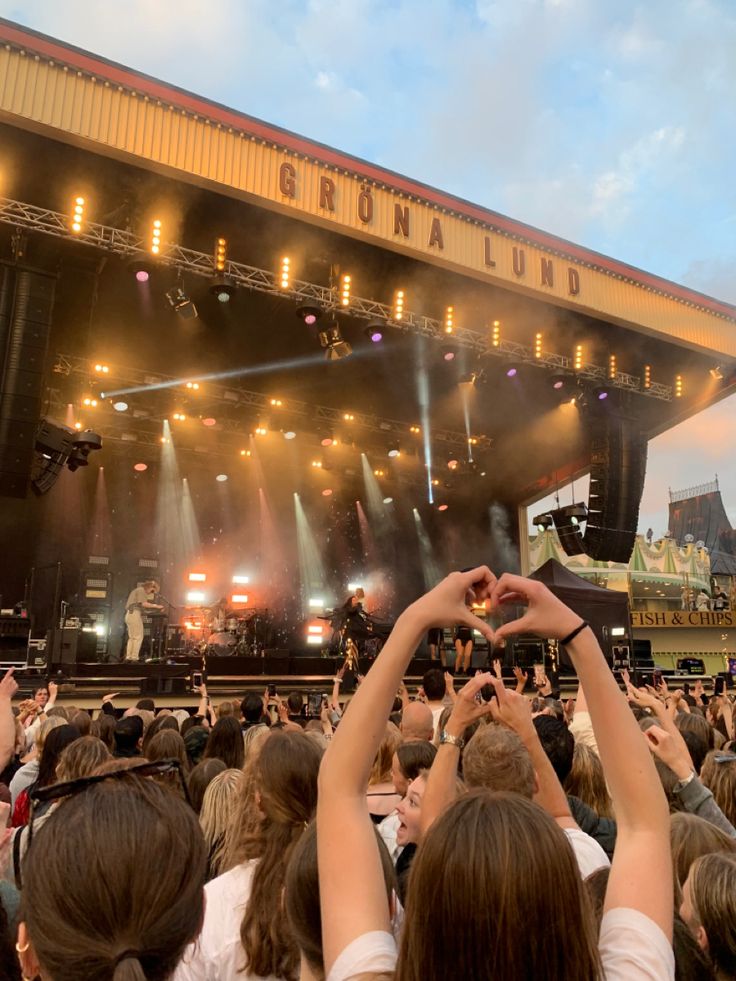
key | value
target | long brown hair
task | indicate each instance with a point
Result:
(492, 865)
(285, 777)
(137, 888)
(587, 781)
(692, 836)
(720, 778)
(713, 900)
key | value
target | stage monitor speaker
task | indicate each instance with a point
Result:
(157, 685)
(70, 645)
(618, 458)
(26, 309)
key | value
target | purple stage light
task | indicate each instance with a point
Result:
(310, 319)
(142, 276)
(602, 395)
(376, 336)
(511, 373)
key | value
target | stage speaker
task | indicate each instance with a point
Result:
(618, 459)
(70, 646)
(26, 309)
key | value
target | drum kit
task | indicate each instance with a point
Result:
(236, 634)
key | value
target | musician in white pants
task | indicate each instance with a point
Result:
(140, 599)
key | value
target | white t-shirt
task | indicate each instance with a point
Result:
(589, 854)
(632, 948)
(387, 830)
(218, 954)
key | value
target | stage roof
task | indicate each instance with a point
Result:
(138, 149)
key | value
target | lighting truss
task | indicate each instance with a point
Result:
(126, 244)
(315, 416)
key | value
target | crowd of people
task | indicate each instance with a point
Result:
(488, 832)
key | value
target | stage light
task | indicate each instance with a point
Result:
(220, 254)
(120, 406)
(374, 333)
(179, 416)
(449, 320)
(327, 492)
(285, 272)
(317, 464)
(647, 376)
(77, 215)
(180, 303)
(222, 286)
(716, 373)
(415, 429)
(261, 431)
(600, 393)
(140, 467)
(77, 425)
(398, 312)
(223, 289)
(512, 371)
(543, 522)
(195, 596)
(442, 507)
(102, 369)
(394, 451)
(245, 453)
(142, 275)
(156, 236)
(388, 500)
(209, 421)
(335, 346)
(193, 386)
(496, 333)
(612, 367)
(326, 438)
(473, 440)
(379, 473)
(310, 315)
(289, 434)
(349, 417)
(239, 598)
(452, 464)
(449, 352)
(240, 580)
(353, 586)
(435, 482)
(678, 386)
(538, 345)
(316, 603)
(578, 360)
(221, 478)
(90, 402)
(197, 577)
(345, 281)
(277, 403)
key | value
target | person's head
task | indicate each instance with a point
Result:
(381, 769)
(409, 811)
(226, 743)
(496, 759)
(128, 914)
(41, 696)
(43, 730)
(167, 744)
(218, 806)
(195, 743)
(433, 684)
(417, 721)
(294, 702)
(104, 728)
(252, 739)
(692, 836)
(58, 711)
(408, 761)
(587, 781)
(80, 758)
(500, 854)
(147, 704)
(709, 909)
(151, 587)
(128, 736)
(159, 723)
(283, 780)
(696, 723)
(224, 708)
(697, 746)
(251, 708)
(56, 742)
(81, 722)
(558, 743)
(189, 722)
(200, 778)
(718, 773)
(146, 717)
(301, 896)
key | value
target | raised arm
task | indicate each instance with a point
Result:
(641, 873)
(8, 688)
(355, 904)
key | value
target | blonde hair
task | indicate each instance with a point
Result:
(381, 769)
(713, 901)
(81, 758)
(218, 806)
(720, 779)
(587, 781)
(44, 729)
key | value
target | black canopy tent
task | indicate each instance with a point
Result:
(604, 609)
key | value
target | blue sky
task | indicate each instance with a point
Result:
(609, 123)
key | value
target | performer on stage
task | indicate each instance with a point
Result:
(219, 613)
(436, 641)
(140, 599)
(354, 603)
(463, 649)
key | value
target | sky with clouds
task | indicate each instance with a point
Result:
(609, 123)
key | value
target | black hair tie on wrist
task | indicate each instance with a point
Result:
(573, 634)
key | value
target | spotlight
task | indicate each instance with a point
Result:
(538, 345)
(77, 216)
(289, 434)
(120, 406)
(496, 333)
(448, 352)
(394, 451)
(543, 522)
(612, 367)
(374, 332)
(398, 312)
(678, 386)
(141, 266)
(578, 359)
(415, 429)
(223, 288)
(221, 478)
(82, 445)
(209, 421)
(285, 273)
(335, 346)
(449, 320)
(156, 236)
(442, 507)
(512, 370)
(452, 464)
(102, 369)
(716, 373)
(345, 282)
(310, 315)
(388, 500)
(140, 467)
(601, 393)
(558, 382)
(180, 303)
(326, 438)
(647, 379)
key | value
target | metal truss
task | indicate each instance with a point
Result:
(315, 417)
(126, 244)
